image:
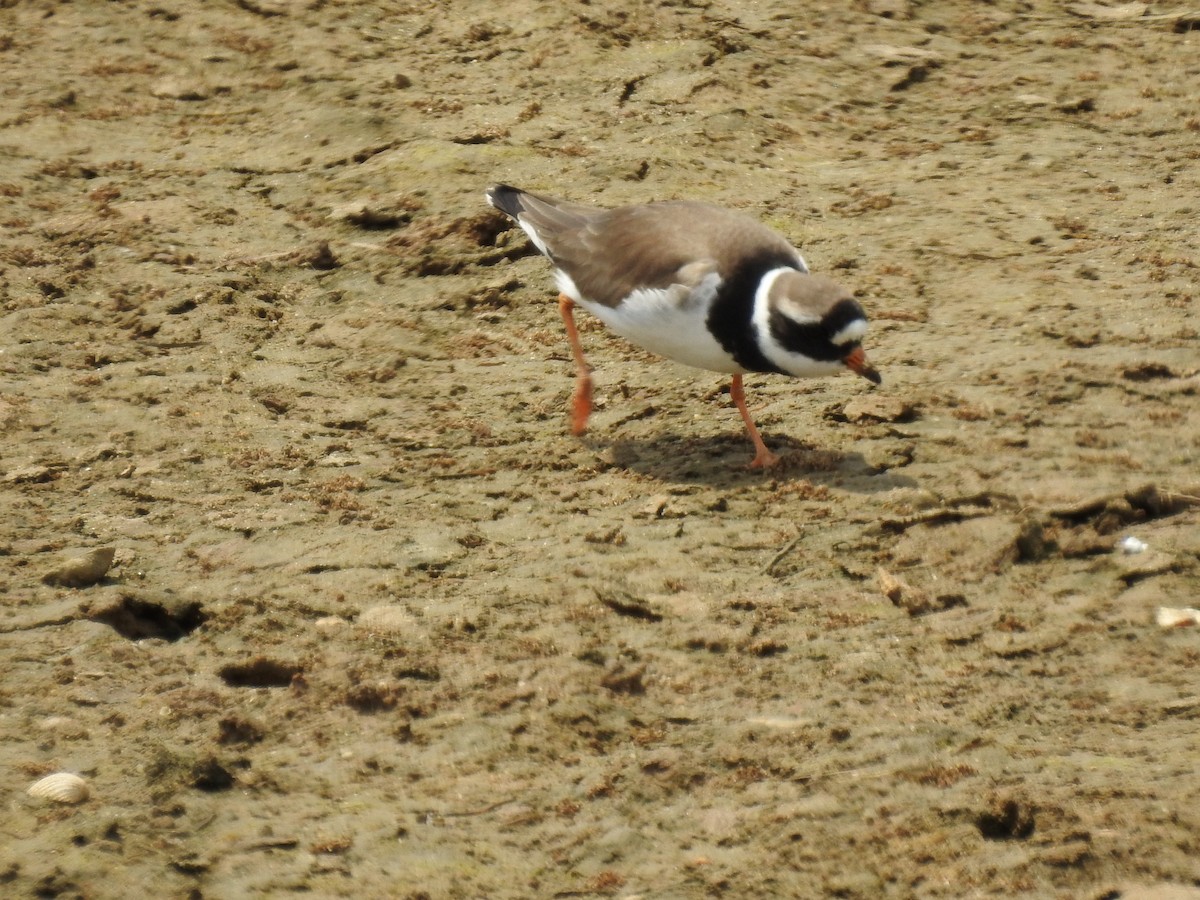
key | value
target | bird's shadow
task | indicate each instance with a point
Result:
(723, 462)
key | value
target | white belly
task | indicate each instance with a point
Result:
(671, 323)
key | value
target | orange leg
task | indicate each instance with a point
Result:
(763, 458)
(581, 406)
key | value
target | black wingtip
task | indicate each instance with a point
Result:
(505, 198)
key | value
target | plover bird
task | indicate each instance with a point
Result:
(702, 285)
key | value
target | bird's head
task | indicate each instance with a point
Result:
(815, 326)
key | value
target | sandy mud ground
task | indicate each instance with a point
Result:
(377, 626)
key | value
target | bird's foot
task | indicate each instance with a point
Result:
(765, 459)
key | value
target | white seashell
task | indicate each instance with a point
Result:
(61, 787)
(1132, 545)
(1167, 617)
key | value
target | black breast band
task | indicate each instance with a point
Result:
(730, 318)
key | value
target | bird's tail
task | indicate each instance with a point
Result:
(506, 198)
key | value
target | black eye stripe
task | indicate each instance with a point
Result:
(814, 340)
(843, 313)
(810, 340)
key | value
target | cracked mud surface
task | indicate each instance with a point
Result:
(377, 625)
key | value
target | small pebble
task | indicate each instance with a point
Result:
(1132, 545)
(82, 570)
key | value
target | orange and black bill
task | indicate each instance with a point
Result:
(856, 361)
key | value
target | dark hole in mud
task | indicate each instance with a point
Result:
(260, 673)
(429, 264)
(136, 619)
(190, 867)
(210, 776)
(419, 673)
(593, 656)
(628, 91)
(484, 229)
(624, 681)
(54, 885)
(1010, 821)
(1147, 372)
(372, 698)
(1032, 543)
(347, 424)
(631, 607)
(260, 486)
(51, 290)
(235, 730)
(322, 258)
(1110, 513)
(915, 75)
(373, 219)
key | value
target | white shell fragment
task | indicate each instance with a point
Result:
(61, 787)
(1168, 617)
(1131, 545)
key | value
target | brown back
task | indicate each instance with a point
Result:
(611, 253)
